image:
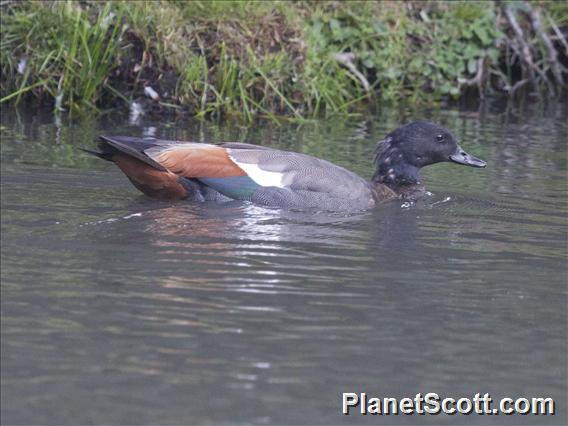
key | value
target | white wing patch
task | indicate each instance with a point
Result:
(262, 177)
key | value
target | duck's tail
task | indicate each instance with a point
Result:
(147, 175)
(103, 155)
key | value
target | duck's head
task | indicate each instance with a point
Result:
(402, 154)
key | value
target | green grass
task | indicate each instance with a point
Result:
(69, 53)
(247, 59)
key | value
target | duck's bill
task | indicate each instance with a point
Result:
(462, 157)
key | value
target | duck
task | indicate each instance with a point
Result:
(176, 170)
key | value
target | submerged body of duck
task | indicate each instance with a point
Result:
(275, 178)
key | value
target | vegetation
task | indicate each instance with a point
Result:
(300, 59)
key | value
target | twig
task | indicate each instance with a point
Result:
(559, 34)
(526, 51)
(346, 58)
(526, 54)
(552, 54)
(478, 80)
(517, 86)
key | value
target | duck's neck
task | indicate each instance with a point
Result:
(394, 171)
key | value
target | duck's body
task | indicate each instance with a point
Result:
(275, 178)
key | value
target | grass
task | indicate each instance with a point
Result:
(68, 54)
(248, 59)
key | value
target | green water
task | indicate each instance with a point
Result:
(118, 309)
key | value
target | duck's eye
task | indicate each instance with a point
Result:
(440, 138)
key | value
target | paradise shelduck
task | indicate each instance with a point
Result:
(271, 177)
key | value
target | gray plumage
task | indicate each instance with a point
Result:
(309, 182)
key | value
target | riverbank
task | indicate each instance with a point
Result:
(248, 59)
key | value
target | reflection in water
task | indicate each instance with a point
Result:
(121, 309)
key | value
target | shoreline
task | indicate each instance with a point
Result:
(276, 60)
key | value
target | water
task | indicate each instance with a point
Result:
(118, 309)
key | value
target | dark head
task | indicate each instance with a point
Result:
(402, 154)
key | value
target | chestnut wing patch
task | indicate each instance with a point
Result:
(209, 164)
(195, 160)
